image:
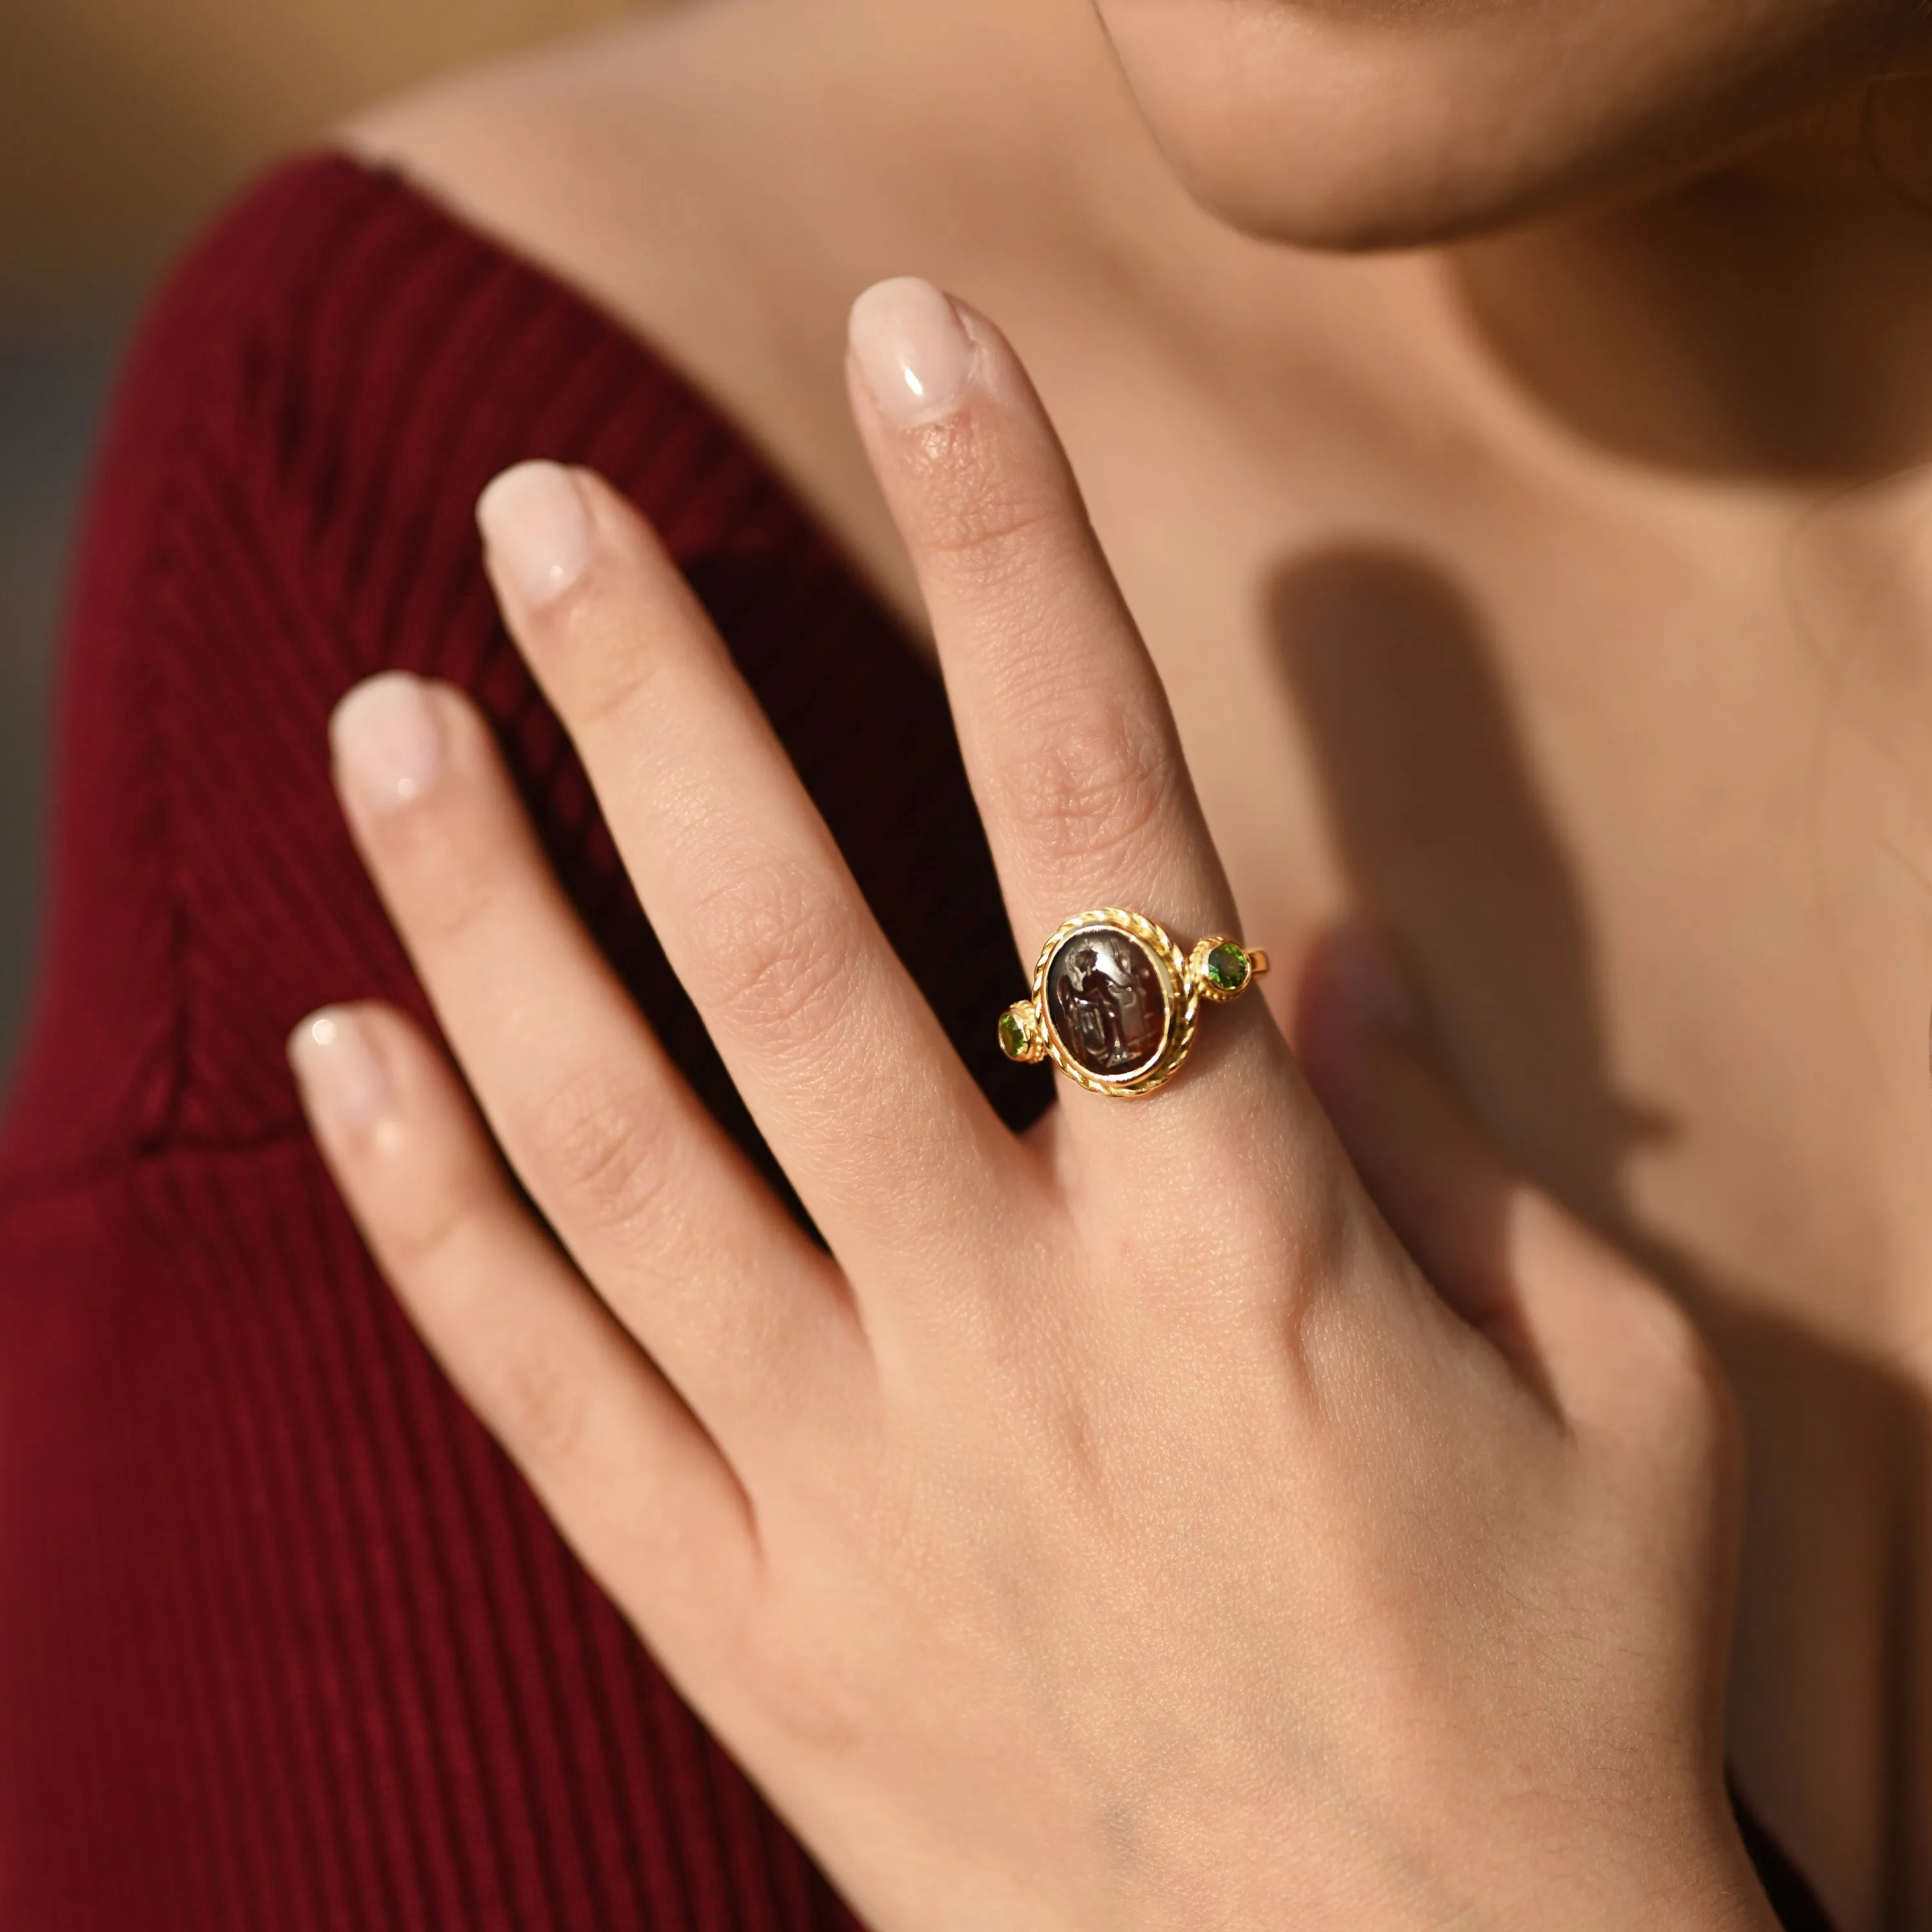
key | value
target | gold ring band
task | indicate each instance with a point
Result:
(1115, 1000)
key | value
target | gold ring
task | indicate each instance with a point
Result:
(1115, 1000)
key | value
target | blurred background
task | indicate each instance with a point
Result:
(124, 123)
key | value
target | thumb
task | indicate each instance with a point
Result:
(1563, 1306)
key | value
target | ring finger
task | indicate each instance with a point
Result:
(686, 1243)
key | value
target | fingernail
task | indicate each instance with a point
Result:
(912, 349)
(342, 1076)
(387, 740)
(1371, 981)
(537, 525)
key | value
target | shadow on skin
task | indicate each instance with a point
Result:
(1448, 849)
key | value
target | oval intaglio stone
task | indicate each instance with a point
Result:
(1107, 998)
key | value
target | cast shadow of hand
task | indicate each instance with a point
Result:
(1447, 847)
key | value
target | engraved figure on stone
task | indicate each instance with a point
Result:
(1097, 999)
(1107, 1006)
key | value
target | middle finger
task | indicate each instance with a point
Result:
(890, 1144)
(1069, 740)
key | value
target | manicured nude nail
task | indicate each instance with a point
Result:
(913, 350)
(538, 526)
(342, 1074)
(388, 741)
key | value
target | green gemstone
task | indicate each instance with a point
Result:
(1228, 968)
(1013, 1036)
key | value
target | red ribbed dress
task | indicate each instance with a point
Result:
(285, 1644)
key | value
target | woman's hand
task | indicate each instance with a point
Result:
(1119, 1526)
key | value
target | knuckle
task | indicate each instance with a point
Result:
(536, 1401)
(1325, 1241)
(792, 1678)
(1318, 1323)
(1326, 1245)
(608, 1150)
(1095, 785)
(778, 952)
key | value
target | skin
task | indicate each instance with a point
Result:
(984, 1542)
(1610, 500)
(1381, 123)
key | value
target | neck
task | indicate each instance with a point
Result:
(1768, 320)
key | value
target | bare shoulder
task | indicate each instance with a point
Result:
(592, 156)
(657, 168)
(723, 177)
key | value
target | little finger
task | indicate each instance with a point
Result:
(634, 1483)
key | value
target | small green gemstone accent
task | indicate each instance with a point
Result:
(1228, 968)
(1014, 1039)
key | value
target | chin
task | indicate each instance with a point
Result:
(1356, 125)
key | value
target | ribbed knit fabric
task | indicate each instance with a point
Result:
(285, 1644)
